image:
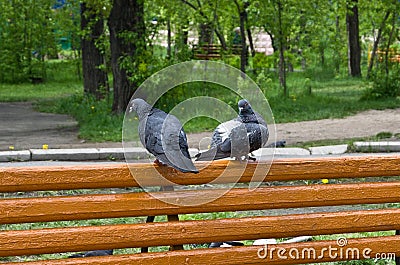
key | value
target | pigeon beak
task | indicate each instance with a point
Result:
(241, 108)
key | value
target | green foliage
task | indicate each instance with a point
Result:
(262, 61)
(29, 31)
(334, 98)
(62, 80)
(384, 135)
(384, 85)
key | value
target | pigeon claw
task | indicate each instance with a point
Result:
(252, 158)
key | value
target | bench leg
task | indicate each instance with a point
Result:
(397, 258)
(149, 219)
(175, 217)
(170, 218)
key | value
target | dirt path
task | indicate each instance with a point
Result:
(24, 128)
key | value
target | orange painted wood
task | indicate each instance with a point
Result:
(142, 204)
(107, 176)
(55, 240)
(242, 255)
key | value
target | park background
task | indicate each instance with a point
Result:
(321, 59)
(312, 59)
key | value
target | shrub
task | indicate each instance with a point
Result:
(384, 85)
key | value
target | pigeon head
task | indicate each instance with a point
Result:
(141, 107)
(244, 107)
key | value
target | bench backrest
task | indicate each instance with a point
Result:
(36, 198)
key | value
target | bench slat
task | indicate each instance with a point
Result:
(242, 255)
(81, 207)
(54, 240)
(116, 176)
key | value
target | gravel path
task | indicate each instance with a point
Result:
(24, 128)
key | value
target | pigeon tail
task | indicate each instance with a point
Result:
(186, 167)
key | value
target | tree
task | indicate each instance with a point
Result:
(241, 9)
(277, 20)
(127, 43)
(354, 49)
(208, 23)
(376, 43)
(95, 80)
(27, 36)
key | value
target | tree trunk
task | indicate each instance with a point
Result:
(243, 54)
(95, 80)
(273, 42)
(281, 40)
(220, 36)
(127, 42)
(205, 34)
(242, 19)
(354, 50)
(389, 42)
(250, 37)
(338, 40)
(376, 43)
(168, 39)
(248, 30)
(322, 56)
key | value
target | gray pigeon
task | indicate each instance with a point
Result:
(163, 136)
(226, 244)
(93, 253)
(237, 137)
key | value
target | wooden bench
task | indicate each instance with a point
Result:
(214, 51)
(207, 51)
(36, 198)
(393, 55)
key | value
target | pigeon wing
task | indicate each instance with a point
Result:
(220, 146)
(175, 145)
(223, 131)
(163, 137)
(257, 135)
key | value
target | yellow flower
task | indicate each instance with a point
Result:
(45, 146)
(11, 147)
(325, 181)
(142, 67)
(92, 107)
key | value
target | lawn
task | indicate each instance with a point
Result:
(332, 97)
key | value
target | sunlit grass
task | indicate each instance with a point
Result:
(331, 97)
(62, 80)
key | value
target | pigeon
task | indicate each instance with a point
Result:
(226, 244)
(92, 253)
(281, 143)
(163, 136)
(237, 137)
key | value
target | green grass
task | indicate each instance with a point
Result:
(62, 92)
(96, 122)
(62, 80)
